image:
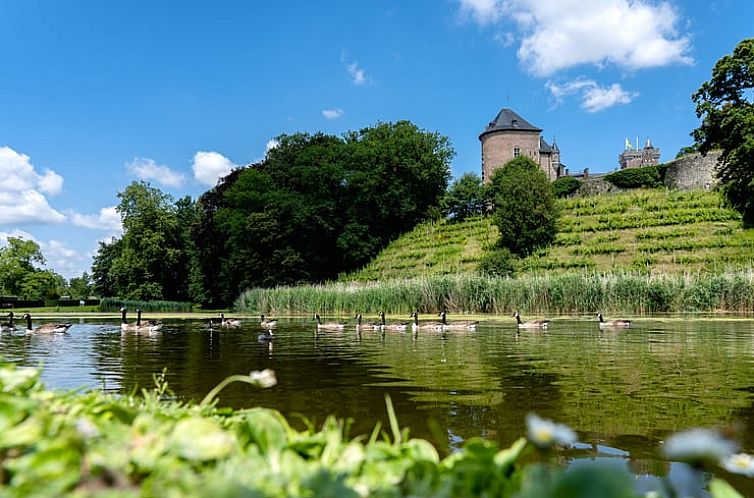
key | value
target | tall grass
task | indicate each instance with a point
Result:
(575, 293)
(115, 304)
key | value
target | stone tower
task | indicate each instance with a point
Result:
(509, 136)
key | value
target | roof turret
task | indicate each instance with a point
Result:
(508, 120)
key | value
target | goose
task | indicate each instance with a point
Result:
(532, 324)
(124, 325)
(148, 325)
(46, 328)
(366, 326)
(267, 335)
(391, 326)
(424, 325)
(268, 322)
(229, 322)
(612, 324)
(8, 326)
(458, 324)
(328, 325)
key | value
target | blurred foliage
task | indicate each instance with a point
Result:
(644, 177)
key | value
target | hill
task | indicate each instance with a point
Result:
(661, 231)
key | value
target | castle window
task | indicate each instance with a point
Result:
(516, 152)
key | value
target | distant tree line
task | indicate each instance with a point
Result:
(22, 275)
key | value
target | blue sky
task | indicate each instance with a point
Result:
(96, 94)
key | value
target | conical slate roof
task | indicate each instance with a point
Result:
(508, 120)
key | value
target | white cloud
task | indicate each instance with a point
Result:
(107, 219)
(57, 254)
(211, 166)
(147, 169)
(594, 98)
(21, 200)
(483, 12)
(357, 74)
(51, 182)
(332, 113)
(557, 35)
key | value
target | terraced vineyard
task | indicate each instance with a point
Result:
(648, 230)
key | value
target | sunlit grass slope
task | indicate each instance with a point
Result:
(647, 230)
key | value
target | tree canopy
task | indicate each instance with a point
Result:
(464, 198)
(151, 260)
(316, 206)
(525, 211)
(725, 104)
(21, 275)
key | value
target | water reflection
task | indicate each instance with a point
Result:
(622, 389)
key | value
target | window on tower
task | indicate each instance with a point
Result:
(516, 152)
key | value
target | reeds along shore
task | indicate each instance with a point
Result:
(626, 293)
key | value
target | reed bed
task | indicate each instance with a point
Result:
(573, 293)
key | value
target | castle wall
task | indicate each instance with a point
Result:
(692, 172)
(497, 149)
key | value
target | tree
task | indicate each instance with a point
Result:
(103, 283)
(464, 198)
(316, 206)
(525, 211)
(20, 275)
(80, 287)
(150, 261)
(726, 106)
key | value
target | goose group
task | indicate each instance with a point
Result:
(531, 324)
(612, 324)
(138, 326)
(46, 328)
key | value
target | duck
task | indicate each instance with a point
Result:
(124, 325)
(424, 325)
(458, 324)
(268, 322)
(612, 324)
(366, 326)
(148, 325)
(532, 324)
(46, 328)
(8, 326)
(229, 322)
(391, 326)
(328, 325)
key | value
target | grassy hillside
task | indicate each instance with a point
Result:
(647, 230)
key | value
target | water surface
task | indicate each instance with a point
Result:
(622, 391)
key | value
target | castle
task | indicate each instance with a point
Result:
(509, 136)
(635, 158)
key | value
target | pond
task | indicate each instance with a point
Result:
(623, 391)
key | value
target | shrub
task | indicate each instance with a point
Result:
(497, 263)
(565, 186)
(525, 211)
(648, 177)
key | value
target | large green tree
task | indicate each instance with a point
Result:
(21, 275)
(725, 104)
(316, 206)
(524, 206)
(152, 259)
